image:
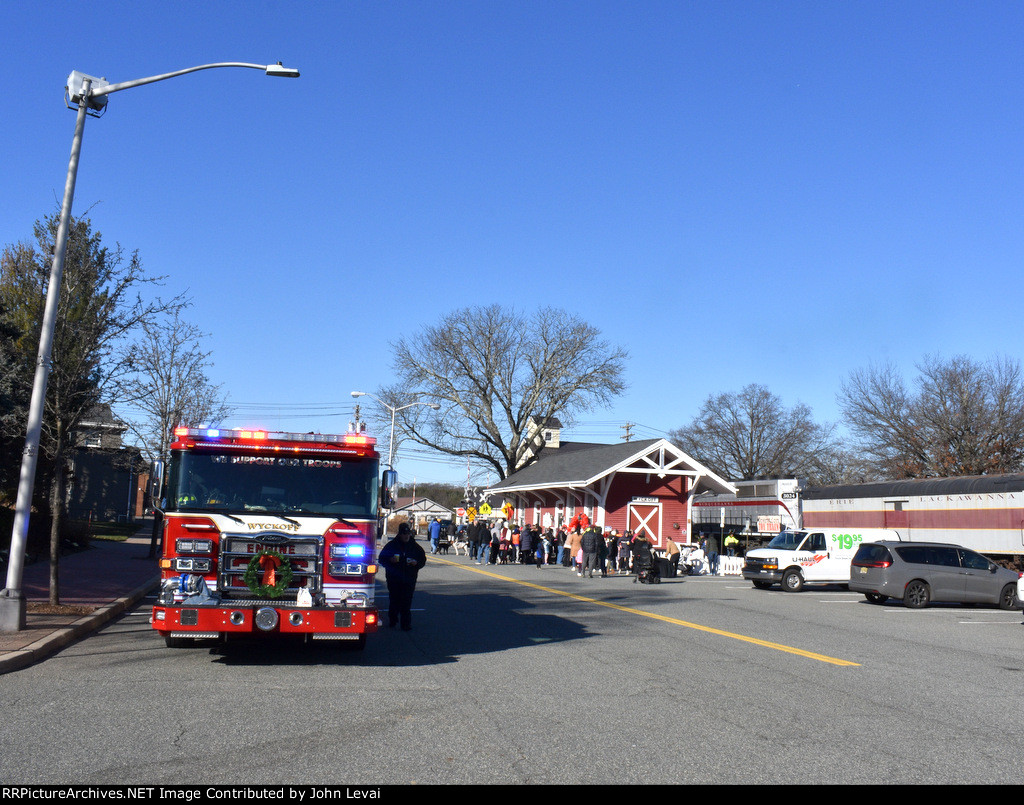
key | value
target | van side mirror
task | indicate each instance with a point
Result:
(388, 488)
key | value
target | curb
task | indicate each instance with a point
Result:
(59, 638)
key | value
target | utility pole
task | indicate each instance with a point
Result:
(628, 427)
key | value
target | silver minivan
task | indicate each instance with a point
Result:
(919, 573)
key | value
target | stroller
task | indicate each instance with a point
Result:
(694, 563)
(644, 564)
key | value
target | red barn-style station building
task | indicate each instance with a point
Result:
(645, 486)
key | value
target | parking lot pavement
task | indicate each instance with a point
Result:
(95, 585)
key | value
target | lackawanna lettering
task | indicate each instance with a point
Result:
(274, 526)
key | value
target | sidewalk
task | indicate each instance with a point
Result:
(109, 577)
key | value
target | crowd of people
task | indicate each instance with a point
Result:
(579, 546)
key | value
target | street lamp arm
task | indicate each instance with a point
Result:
(392, 408)
(394, 411)
(269, 69)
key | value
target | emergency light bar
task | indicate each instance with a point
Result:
(217, 434)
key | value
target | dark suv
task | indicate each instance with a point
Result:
(919, 573)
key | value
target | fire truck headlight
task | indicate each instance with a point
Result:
(193, 545)
(338, 569)
(348, 551)
(192, 565)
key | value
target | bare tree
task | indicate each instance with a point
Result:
(100, 305)
(882, 414)
(751, 434)
(168, 384)
(491, 369)
(963, 417)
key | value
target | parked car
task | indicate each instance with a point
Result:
(919, 573)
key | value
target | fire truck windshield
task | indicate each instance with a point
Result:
(287, 485)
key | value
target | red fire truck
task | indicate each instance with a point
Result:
(268, 534)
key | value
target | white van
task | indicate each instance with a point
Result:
(810, 556)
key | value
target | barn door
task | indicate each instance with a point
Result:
(644, 519)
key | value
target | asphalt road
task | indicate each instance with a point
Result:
(535, 676)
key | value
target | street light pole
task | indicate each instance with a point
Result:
(391, 442)
(90, 94)
(393, 410)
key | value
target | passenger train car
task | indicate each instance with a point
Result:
(984, 512)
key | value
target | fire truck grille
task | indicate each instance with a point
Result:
(304, 556)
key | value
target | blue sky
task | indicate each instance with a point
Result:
(737, 192)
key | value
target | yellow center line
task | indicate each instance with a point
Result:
(675, 621)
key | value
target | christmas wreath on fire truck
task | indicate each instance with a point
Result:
(268, 574)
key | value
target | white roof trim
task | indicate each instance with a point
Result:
(668, 459)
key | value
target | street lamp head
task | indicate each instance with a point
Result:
(82, 87)
(358, 393)
(281, 71)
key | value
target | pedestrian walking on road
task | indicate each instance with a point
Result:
(401, 559)
(434, 534)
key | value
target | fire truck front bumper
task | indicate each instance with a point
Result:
(320, 623)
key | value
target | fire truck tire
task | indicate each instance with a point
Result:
(356, 645)
(178, 642)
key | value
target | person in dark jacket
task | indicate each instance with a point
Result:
(527, 547)
(401, 559)
(478, 540)
(591, 543)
